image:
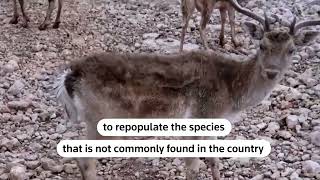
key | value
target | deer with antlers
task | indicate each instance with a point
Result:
(26, 19)
(195, 84)
(206, 7)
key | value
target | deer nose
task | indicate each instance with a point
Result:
(271, 74)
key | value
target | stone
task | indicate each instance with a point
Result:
(310, 167)
(315, 138)
(18, 173)
(292, 121)
(16, 88)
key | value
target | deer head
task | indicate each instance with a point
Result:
(276, 45)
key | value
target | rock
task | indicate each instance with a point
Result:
(292, 82)
(285, 134)
(304, 55)
(292, 121)
(18, 173)
(61, 128)
(164, 173)
(315, 138)
(265, 105)
(317, 87)
(150, 35)
(69, 168)
(4, 109)
(9, 144)
(257, 177)
(19, 105)
(295, 176)
(293, 94)
(16, 88)
(261, 126)
(49, 164)
(4, 176)
(35, 147)
(32, 164)
(275, 175)
(296, 58)
(156, 162)
(273, 127)
(176, 162)
(310, 167)
(22, 136)
(307, 79)
(11, 66)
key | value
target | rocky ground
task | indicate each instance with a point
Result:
(32, 123)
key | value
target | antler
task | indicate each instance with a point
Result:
(263, 21)
(295, 27)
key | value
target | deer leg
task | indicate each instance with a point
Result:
(223, 16)
(192, 164)
(214, 164)
(46, 22)
(187, 9)
(205, 17)
(57, 21)
(25, 17)
(15, 17)
(87, 166)
(231, 14)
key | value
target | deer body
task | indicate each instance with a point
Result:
(26, 19)
(196, 84)
(206, 7)
(145, 86)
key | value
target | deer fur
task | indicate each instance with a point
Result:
(195, 84)
(26, 19)
(206, 7)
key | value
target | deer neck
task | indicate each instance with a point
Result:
(256, 88)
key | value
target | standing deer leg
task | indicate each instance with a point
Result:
(223, 15)
(46, 22)
(231, 14)
(15, 17)
(25, 17)
(57, 21)
(187, 9)
(214, 165)
(205, 17)
(87, 166)
(192, 164)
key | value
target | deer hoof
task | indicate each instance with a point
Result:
(14, 20)
(25, 24)
(56, 25)
(222, 44)
(43, 27)
(27, 18)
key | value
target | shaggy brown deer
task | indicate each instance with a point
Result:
(195, 84)
(26, 19)
(206, 7)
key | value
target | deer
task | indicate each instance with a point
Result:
(26, 19)
(193, 84)
(206, 7)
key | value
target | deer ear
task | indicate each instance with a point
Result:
(305, 37)
(255, 31)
